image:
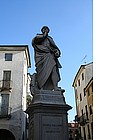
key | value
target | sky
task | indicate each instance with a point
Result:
(70, 23)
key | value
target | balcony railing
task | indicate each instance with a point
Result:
(6, 85)
(82, 120)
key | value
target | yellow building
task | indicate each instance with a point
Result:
(81, 84)
(89, 95)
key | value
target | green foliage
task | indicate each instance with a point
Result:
(28, 100)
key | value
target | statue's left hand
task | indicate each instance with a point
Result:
(57, 54)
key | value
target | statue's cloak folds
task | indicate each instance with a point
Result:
(45, 59)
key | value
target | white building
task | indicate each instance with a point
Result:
(82, 78)
(14, 64)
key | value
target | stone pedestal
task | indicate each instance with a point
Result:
(48, 116)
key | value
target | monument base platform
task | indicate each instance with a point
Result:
(48, 116)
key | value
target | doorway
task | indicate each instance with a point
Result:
(6, 135)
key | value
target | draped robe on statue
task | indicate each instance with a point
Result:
(45, 60)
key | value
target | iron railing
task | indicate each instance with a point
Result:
(82, 120)
(6, 84)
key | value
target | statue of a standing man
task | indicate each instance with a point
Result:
(46, 61)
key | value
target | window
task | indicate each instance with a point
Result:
(8, 56)
(82, 112)
(88, 92)
(90, 109)
(84, 133)
(84, 92)
(4, 104)
(80, 97)
(79, 82)
(92, 128)
(80, 132)
(92, 88)
(6, 79)
(88, 131)
(86, 112)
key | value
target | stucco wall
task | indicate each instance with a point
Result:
(18, 68)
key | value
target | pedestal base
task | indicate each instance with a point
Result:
(48, 116)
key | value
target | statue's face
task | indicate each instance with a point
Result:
(45, 30)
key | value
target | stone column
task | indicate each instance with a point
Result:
(48, 116)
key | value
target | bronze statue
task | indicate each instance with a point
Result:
(46, 61)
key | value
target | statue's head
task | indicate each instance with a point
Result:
(44, 28)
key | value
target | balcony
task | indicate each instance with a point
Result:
(82, 120)
(6, 85)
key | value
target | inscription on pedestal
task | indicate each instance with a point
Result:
(49, 97)
(52, 127)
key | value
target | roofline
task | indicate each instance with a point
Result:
(81, 67)
(14, 45)
(21, 48)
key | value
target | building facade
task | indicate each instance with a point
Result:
(89, 95)
(82, 79)
(14, 61)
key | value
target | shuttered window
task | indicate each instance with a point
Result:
(6, 79)
(4, 104)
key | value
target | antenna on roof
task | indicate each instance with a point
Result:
(84, 59)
